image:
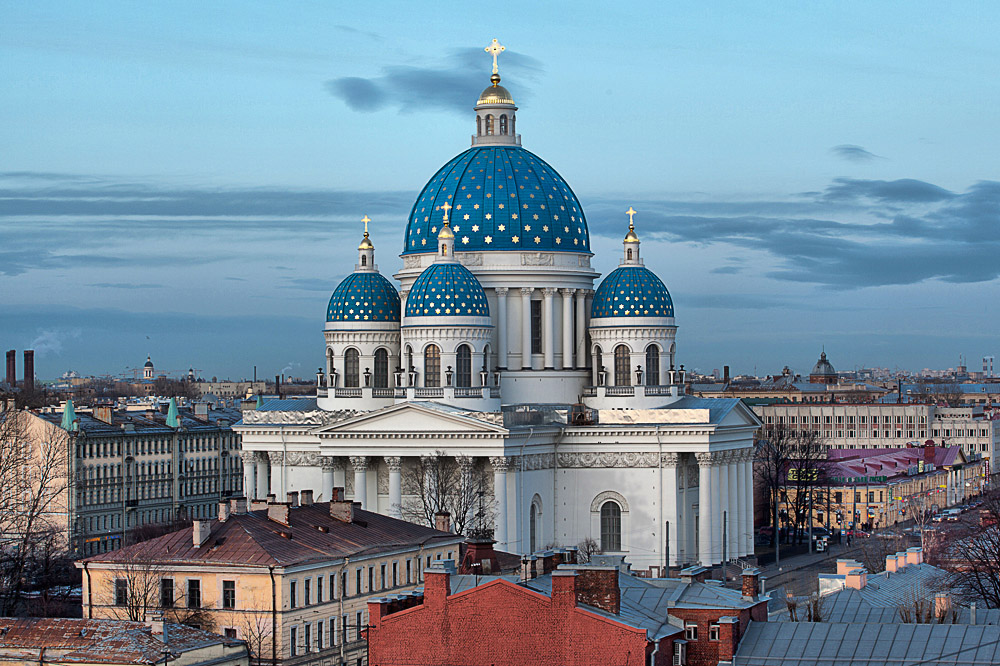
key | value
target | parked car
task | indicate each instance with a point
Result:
(937, 517)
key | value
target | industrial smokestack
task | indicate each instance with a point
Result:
(12, 368)
(277, 386)
(725, 374)
(29, 371)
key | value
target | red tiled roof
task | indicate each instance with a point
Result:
(103, 641)
(251, 539)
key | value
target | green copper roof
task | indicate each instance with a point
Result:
(69, 423)
(172, 419)
(260, 401)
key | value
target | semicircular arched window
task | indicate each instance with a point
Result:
(463, 369)
(352, 368)
(611, 527)
(381, 368)
(432, 366)
(622, 361)
(652, 365)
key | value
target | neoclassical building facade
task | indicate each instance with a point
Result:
(497, 350)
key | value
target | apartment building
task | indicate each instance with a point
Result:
(128, 469)
(300, 571)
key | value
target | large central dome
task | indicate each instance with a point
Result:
(503, 198)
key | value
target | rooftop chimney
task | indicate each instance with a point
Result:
(12, 368)
(278, 512)
(29, 371)
(856, 579)
(292, 497)
(305, 497)
(237, 505)
(341, 510)
(564, 588)
(751, 583)
(442, 521)
(598, 586)
(103, 413)
(725, 374)
(200, 531)
(480, 558)
(223, 511)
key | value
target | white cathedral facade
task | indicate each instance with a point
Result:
(497, 350)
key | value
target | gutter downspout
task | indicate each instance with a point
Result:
(90, 592)
(274, 619)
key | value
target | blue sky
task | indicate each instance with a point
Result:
(185, 179)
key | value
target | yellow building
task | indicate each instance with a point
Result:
(301, 572)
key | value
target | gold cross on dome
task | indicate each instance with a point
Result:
(446, 207)
(495, 48)
(630, 213)
(366, 221)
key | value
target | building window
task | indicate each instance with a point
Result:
(360, 624)
(381, 368)
(713, 632)
(307, 592)
(382, 576)
(371, 579)
(357, 581)
(194, 593)
(652, 365)
(691, 631)
(343, 629)
(166, 592)
(121, 591)
(611, 527)
(622, 363)
(432, 366)
(293, 593)
(409, 567)
(294, 639)
(680, 653)
(463, 363)
(395, 574)
(319, 635)
(503, 123)
(352, 368)
(229, 594)
(229, 632)
(536, 327)
(307, 635)
(532, 528)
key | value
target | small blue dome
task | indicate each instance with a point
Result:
(447, 289)
(632, 291)
(364, 296)
(503, 198)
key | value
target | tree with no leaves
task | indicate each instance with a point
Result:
(35, 487)
(446, 484)
(255, 628)
(974, 559)
(790, 466)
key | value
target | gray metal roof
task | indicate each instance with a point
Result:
(840, 644)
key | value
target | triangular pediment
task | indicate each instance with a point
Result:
(410, 417)
(740, 415)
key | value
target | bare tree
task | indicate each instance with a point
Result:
(453, 485)
(814, 604)
(974, 559)
(791, 466)
(919, 606)
(35, 486)
(873, 551)
(255, 628)
(586, 549)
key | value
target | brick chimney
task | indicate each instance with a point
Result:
(479, 558)
(292, 497)
(200, 531)
(305, 497)
(103, 413)
(693, 574)
(223, 511)
(729, 637)
(845, 565)
(929, 451)
(337, 495)
(237, 505)
(751, 584)
(12, 368)
(890, 564)
(341, 510)
(564, 589)
(856, 579)
(598, 587)
(437, 586)
(442, 521)
(915, 555)
(29, 371)
(278, 512)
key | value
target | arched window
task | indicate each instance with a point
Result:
(352, 368)
(503, 123)
(463, 363)
(533, 528)
(611, 527)
(432, 366)
(598, 363)
(512, 119)
(479, 126)
(652, 365)
(486, 359)
(622, 362)
(628, 254)
(444, 250)
(489, 125)
(364, 259)
(381, 368)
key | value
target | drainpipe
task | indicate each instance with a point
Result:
(343, 593)
(274, 619)
(90, 592)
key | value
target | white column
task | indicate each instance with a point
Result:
(277, 459)
(360, 465)
(548, 328)
(567, 329)
(716, 508)
(501, 327)
(327, 465)
(500, 466)
(526, 327)
(705, 508)
(724, 528)
(261, 489)
(395, 465)
(741, 493)
(735, 502)
(668, 501)
(581, 328)
(249, 459)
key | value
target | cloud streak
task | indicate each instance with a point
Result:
(853, 153)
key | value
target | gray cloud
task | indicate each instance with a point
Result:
(450, 85)
(727, 270)
(906, 190)
(853, 153)
(127, 285)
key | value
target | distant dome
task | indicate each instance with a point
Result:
(503, 198)
(447, 290)
(632, 291)
(823, 367)
(364, 296)
(149, 363)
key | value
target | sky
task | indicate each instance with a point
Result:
(186, 179)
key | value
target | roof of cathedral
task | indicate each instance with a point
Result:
(632, 291)
(823, 367)
(505, 198)
(364, 296)
(447, 289)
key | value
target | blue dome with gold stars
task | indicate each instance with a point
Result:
(364, 296)
(503, 198)
(447, 289)
(632, 291)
